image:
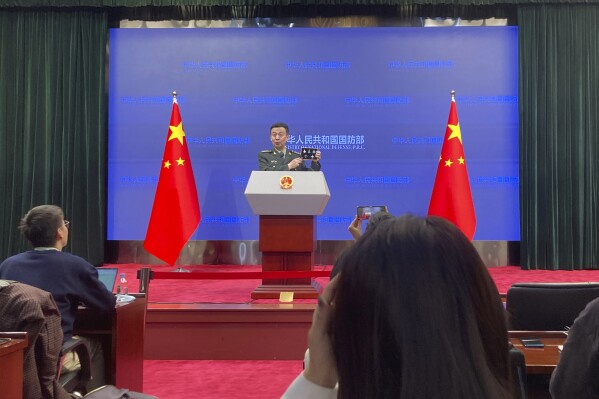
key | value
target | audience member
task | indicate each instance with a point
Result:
(70, 279)
(577, 373)
(412, 314)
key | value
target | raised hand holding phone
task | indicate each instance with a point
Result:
(355, 228)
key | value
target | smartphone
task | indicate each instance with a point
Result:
(365, 212)
(532, 343)
(309, 153)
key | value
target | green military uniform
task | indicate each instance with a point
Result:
(275, 160)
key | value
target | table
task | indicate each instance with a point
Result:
(122, 335)
(11, 365)
(539, 360)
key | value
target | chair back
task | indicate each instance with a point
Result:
(547, 306)
(518, 367)
(29, 309)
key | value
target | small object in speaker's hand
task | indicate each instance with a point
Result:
(309, 153)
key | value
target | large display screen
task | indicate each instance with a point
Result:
(375, 101)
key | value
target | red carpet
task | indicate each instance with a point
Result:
(238, 291)
(203, 291)
(222, 379)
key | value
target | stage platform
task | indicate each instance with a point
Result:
(218, 319)
(224, 331)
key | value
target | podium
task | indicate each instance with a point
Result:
(287, 203)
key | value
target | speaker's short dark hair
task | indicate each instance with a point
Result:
(280, 124)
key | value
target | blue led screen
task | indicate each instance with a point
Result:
(375, 101)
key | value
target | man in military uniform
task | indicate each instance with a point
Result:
(280, 158)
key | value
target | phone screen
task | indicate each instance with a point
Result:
(365, 212)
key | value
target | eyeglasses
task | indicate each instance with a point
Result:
(66, 224)
(276, 135)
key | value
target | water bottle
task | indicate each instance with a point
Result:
(122, 288)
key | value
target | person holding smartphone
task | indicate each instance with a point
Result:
(280, 158)
(355, 227)
(412, 314)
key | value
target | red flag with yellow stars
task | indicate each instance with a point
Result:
(452, 198)
(176, 211)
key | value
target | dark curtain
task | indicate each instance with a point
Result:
(52, 123)
(559, 128)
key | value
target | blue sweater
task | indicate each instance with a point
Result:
(70, 279)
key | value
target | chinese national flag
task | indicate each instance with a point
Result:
(176, 210)
(452, 198)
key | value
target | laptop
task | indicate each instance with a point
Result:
(107, 276)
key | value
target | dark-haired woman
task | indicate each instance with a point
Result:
(413, 314)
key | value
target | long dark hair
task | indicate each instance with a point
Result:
(416, 315)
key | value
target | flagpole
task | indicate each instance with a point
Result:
(176, 210)
(451, 197)
(179, 269)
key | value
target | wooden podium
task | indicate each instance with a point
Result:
(287, 227)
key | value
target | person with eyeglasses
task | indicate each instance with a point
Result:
(280, 158)
(70, 279)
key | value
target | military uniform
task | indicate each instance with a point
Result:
(274, 160)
